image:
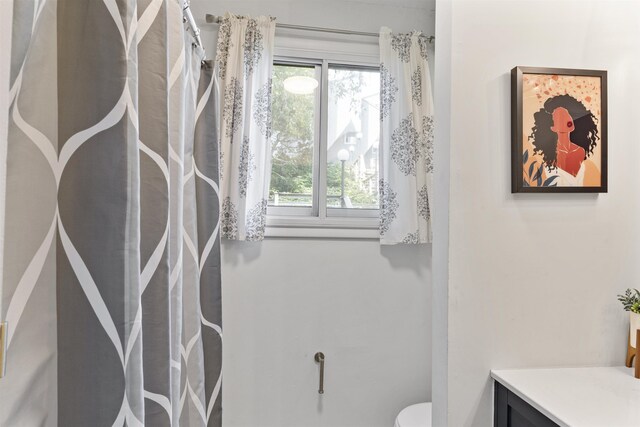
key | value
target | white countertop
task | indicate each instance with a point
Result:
(578, 397)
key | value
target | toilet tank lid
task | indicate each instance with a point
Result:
(418, 415)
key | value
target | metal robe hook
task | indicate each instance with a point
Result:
(319, 358)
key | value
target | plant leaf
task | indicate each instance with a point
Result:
(531, 166)
(525, 157)
(547, 182)
(525, 183)
(538, 175)
(630, 300)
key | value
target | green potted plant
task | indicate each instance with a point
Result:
(631, 302)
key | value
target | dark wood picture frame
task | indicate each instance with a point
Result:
(517, 152)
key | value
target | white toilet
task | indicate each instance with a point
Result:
(418, 415)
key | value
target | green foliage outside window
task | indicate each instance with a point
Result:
(293, 141)
(352, 187)
(293, 121)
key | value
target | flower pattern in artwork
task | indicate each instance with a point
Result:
(246, 167)
(406, 146)
(416, 86)
(229, 220)
(256, 222)
(388, 206)
(233, 106)
(388, 91)
(401, 43)
(262, 109)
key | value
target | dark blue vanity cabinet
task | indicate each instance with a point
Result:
(512, 411)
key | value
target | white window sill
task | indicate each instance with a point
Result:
(328, 228)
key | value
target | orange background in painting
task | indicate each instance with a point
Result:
(537, 88)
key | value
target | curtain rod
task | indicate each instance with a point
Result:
(213, 19)
(189, 19)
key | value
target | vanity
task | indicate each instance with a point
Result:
(576, 397)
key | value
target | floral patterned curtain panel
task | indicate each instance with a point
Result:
(406, 139)
(112, 258)
(244, 63)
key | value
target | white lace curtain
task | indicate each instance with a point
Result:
(406, 139)
(244, 62)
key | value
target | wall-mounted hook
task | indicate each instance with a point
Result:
(319, 358)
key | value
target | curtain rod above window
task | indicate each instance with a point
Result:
(213, 19)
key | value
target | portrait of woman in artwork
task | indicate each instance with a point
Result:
(565, 133)
(559, 130)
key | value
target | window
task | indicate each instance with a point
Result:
(326, 127)
(353, 133)
(295, 134)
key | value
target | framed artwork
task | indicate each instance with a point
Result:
(559, 130)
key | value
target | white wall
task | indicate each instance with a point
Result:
(533, 278)
(440, 286)
(368, 309)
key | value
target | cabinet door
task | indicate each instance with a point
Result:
(512, 411)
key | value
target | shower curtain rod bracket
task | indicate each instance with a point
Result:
(188, 18)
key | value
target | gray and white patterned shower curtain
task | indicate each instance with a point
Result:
(112, 257)
(406, 139)
(244, 63)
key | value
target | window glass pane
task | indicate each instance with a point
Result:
(353, 133)
(294, 128)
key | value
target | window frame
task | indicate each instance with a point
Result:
(320, 220)
(304, 211)
(344, 213)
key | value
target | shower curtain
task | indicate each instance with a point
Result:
(112, 258)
